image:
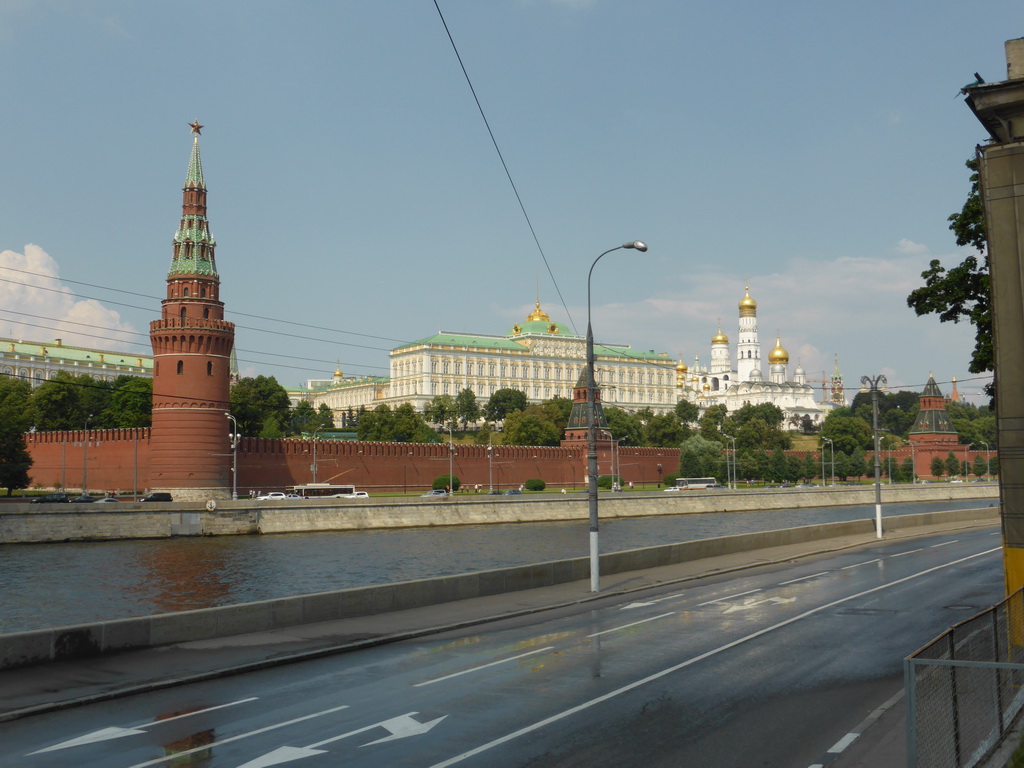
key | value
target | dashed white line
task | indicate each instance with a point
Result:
(858, 565)
(843, 743)
(945, 543)
(802, 578)
(626, 626)
(728, 597)
(484, 666)
(908, 552)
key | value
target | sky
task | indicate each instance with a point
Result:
(810, 150)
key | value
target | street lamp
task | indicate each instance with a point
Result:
(874, 386)
(832, 451)
(85, 445)
(986, 458)
(490, 463)
(314, 450)
(730, 476)
(451, 451)
(595, 565)
(234, 455)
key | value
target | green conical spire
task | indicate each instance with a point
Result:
(193, 244)
(194, 177)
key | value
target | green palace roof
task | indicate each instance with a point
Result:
(58, 351)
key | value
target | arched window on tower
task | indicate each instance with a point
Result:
(209, 369)
(206, 312)
(186, 293)
(182, 313)
(181, 367)
(202, 292)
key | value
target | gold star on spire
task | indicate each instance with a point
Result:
(196, 127)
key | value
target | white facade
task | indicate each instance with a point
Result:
(36, 362)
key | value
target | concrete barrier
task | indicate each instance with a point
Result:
(80, 641)
(27, 523)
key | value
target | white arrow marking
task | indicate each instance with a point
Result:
(635, 605)
(748, 605)
(627, 626)
(399, 727)
(114, 732)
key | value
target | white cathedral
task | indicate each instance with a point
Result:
(744, 383)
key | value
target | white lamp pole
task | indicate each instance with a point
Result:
(595, 561)
(85, 460)
(832, 446)
(874, 385)
(315, 431)
(234, 455)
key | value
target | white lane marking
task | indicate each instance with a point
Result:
(858, 565)
(627, 626)
(728, 597)
(747, 606)
(114, 732)
(802, 578)
(945, 543)
(843, 743)
(484, 666)
(707, 654)
(239, 737)
(399, 727)
(908, 552)
(635, 605)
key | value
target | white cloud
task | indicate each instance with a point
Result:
(36, 306)
(910, 247)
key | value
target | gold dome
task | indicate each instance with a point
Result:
(748, 307)
(681, 367)
(719, 338)
(538, 314)
(778, 355)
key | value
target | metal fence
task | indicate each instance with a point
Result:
(965, 688)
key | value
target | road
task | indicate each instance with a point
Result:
(766, 667)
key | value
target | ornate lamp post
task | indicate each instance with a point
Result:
(595, 564)
(730, 474)
(874, 386)
(832, 452)
(234, 455)
(85, 460)
(315, 431)
(986, 458)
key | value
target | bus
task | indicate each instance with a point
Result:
(322, 491)
(695, 483)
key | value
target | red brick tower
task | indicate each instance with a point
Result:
(189, 445)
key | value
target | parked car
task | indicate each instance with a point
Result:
(157, 496)
(272, 496)
(494, 492)
(51, 498)
(435, 492)
(107, 500)
(671, 488)
(83, 499)
(514, 492)
(358, 495)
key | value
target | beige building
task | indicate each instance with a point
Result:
(37, 362)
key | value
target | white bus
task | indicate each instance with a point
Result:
(322, 491)
(695, 483)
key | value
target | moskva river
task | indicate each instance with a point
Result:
(46, 585)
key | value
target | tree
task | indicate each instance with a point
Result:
(846, 432)
(402, 425)
(980, 466)
(261, 406)
(687, 412)
(503, 402)
(441, 410)
(56, 404)
(664, 430)
(907, 471)
(558, 409)
(962, 293)
(15, 460)
(938, 467)
(699, 457)
(952, 464)
(326, 415)
(466, 407)
(531, 427)
(131, 402)
(625, 427)
(304, 419)
(711, 422)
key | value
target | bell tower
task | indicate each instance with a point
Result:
(190, 452)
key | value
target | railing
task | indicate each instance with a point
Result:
(965, 688)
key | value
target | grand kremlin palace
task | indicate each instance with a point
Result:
(544, 359)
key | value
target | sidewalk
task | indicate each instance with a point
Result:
(54, 686)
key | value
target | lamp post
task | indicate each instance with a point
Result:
(490, 463)
(451, 451)
(986, 458)
(595, 564)
(730, 479)
(874, 385)
(85, 460)
(832, 450)
(234, 455)
(315, 431)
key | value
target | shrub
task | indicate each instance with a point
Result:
(441, 482)
(534, 484)
(669, 480)
(605, 481)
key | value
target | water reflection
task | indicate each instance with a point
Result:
(45, 585)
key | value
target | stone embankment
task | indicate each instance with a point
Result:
(30, 523)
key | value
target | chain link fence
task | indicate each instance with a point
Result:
(965, 688)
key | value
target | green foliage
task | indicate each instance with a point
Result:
(131, 403)
(558, 410)
(670, 479)
(442, 411)
(665, 430)
(962, 292)
(15, 460)
(531, 427)
(535, 484)
(687, 412)
(699, 457)
(261, 406)
(402, 425)
(711, 423)
(980, 465)
(846, 432)
(466, 407)
(503, 402)
(442, 482)
(605, 481)
(952, 464)
(897, 411)
(625, 427)
(938, 467)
